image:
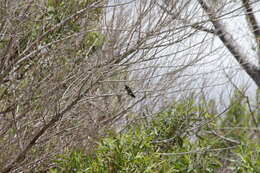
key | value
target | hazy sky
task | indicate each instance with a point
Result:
(217, 71)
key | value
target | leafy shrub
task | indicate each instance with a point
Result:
(166, 144)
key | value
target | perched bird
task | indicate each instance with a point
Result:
(129, 91)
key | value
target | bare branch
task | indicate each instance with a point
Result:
(252, 70)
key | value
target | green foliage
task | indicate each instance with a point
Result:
(248, 158)
(166, 144)
(59, 11)
(93, 40)
(237, 113)
(75, 159)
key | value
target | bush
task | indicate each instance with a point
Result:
(167, 144)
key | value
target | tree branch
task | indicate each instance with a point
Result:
(253, 22)
(252, 70)
(22, 155)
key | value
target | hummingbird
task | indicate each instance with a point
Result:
(129, 91)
